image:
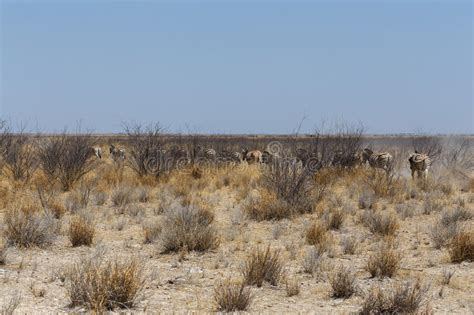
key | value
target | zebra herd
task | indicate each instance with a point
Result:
(419, 163)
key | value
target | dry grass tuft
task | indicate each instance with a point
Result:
(232, 296)
(189, 227)
(334, 218)
(102, 286)
(292, 287)
(402, 298)
(380, 223)
(122, 196)
(349, 245)
(81, 231)
(151, 232)
(318, 235)
(268, 206)
(385, 262)
(9, 306)
(27, 225)
(461, 247)
(311, 261)
(263, 265)
(343, 283)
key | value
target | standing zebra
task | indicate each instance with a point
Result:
(419, 163)
(381, 160)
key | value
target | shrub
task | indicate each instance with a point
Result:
(441, 234)
(461, 247)
(231, 296)
(268, 207)
(263, 265)
(101, 286)
(122, 196)
(26, 225)
(318, 235)
(100, 198)
(349, 245)
(311, 261)
(367, 200)
(143, 194)
(81, 231)
(57, 209)
(458, 215)
(3, 255)
(343, 283)
(384, 262)
(151, 232)
(67, 158)
(432, 205)
(405, 211)
(380, 223)
(292, 287)
(188, 228)
(402, 298)
(334, 218)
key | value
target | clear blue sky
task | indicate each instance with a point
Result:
(395, 66)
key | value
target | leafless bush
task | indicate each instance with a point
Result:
(10, 305)
(143, 194)
(384, 262)
(146, 149)
(405, 210)
(432, 205)
(401, 298)
(349, 245)
(343, 283)
(67, 158)
(290, 183)
(26, 226)
(81, 231)
(457, 215)
(102, 286)
(18, 154)
(231, 296)
(188, 227)
(151, 231)
(384, 184)
(459, 157)
(263, 265)
(461, 247)
(429, 145)
(380, 223)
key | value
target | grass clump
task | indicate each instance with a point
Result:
(232, 296)
(263, 265)
(380, 223)
(461, 247)
(189, 227)
(343, 283)
(81, 231)
(104, 285)
(384, 262)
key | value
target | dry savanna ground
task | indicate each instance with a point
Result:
(237, 237)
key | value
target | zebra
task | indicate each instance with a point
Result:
(97, 151)
(208, 153)
(254, 156)
(419, 163)
(381, 160)
(117, 154)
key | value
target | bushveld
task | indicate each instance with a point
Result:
(219, 235)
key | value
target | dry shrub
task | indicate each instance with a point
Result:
(9, 306)
(292, 287)
(334, 218)
(267, 207)
(384, 184)
(384, 262)
(441, 234)
(367, 200)
(263, 265)
(151, 231)
(81, 231)
(461, 247)
(343, 283)
(318, 235)
(27, 225)
(56, 208)
(401, 298)
(67, 158)
(143, 194)
(349, 245)
(231, 296)
(101, 286)
(189, 227)
(122, 196)
(100, 198)
(457, 215)
(380, 223)
(432, 205)
(405, 210)
(311, 261)
(3, 254)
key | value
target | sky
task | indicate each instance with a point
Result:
(238, 66)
